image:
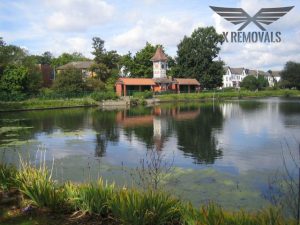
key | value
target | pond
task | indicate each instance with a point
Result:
(225, 152)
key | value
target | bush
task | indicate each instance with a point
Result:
(69, 81)
(100, 96)
(12, 96)
(144, 95)
(93, 84)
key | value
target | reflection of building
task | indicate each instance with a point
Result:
(159, 83)
(156, 124)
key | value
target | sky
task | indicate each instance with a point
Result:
(126, 25)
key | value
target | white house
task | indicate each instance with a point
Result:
(234, 76)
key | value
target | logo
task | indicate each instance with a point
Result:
(264, 16)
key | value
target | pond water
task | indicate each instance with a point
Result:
(223, 152)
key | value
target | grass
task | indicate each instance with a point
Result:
(229, 95)
(46, 104)
(102, 202)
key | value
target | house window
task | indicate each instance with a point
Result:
(162, 66)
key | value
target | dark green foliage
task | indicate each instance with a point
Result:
(105, 61)
(100, 96)
(196, 55)
(291, 75)
(249, 83)
(262, 82)
(66, 58)
(69, 81)
(142, 66)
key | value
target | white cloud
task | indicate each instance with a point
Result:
(163, 30)
(78, 15)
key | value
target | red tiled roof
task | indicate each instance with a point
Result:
(159, 55)
(136, 81)
(183, 81)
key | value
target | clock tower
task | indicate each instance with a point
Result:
(159, 64)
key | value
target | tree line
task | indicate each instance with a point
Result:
(197, 57)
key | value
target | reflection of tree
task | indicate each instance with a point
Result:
(250, 106)
(142, 133)
(196, 138)
(291, 112)
(105, 125)
(47, 121)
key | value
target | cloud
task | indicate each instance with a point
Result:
(163, 30)
(262, 55)
(78, 15)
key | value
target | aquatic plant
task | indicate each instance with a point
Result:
(90, 198)
(7, 177)
(145, 208)
(37, 185)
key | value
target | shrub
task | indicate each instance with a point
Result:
(100, 96)
(144, 95)
(145, 208)
(69, 81)
(91, 198)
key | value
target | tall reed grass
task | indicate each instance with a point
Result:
(126, 206)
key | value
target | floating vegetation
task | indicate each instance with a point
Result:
(4, 130)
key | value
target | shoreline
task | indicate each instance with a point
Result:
(40, 104)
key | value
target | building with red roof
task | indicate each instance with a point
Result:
(159, 83)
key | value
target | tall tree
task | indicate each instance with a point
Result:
(290, 76)
(142, 66)
(196, 55)
(105, 61)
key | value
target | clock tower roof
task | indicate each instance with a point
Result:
(159, 55)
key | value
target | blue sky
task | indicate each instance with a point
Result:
(69, 25)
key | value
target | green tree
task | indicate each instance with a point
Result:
(66, 58)
(262, 82)
(196, 54)
(14, 79)
(69, 81)
(142, 66)
(105, 61)
(290, 76)
(250, 82)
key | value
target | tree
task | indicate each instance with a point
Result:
(14, 79)
(45, 58)
(250, 82)
(142, 66)
(69, 81)
(196, 54)
(290, 75)
(105, 61)
(262, 82)
(66, 58)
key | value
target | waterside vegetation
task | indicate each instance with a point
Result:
(35, 191)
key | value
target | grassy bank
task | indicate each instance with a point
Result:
(102, 203)
(229, 95)
(46, 104)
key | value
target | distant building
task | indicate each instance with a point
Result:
(234, 76)
(159, 83)
(48, 74)
(84, 66)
